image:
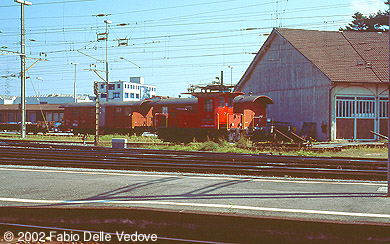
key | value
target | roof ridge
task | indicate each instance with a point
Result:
(293, 29)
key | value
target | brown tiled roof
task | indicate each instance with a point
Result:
(344, 56)
(373, 47)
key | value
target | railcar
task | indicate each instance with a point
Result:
(128, 117)
(125, 117)
(39, 117)
(80, 117)
(173, 112)
(254, 112)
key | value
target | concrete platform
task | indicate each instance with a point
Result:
(345, 201)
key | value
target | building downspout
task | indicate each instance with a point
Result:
(377, 119)
(388, 126)
(332, 114)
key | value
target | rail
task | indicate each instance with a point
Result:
(188, 162)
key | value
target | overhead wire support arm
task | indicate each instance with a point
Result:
(130, 62)
(78, 50)
(37, 60)
(101, 77)
(8, 52)
(99, 60)
(97, 73)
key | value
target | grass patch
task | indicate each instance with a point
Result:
(131, 138)
(243, 142)
(362, 152)
(80, 138)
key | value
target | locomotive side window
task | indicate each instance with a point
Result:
(32, 117)
(221, 101)
(118, 111)
(127, 111)
(11, 117)
(165, 110)
(230, 102)
(55, 117)
(49, 116)
(208, 105)
(76, 112)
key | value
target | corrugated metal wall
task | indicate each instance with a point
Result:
(299, 90)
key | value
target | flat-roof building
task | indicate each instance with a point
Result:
(132, 90)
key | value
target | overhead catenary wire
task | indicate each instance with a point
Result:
(178, 35)
(191, 34)
(235, 19)
(54, 2)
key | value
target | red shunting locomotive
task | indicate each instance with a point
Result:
(213, 113)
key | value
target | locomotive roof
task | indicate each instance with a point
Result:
(70, 105)
(102, 104)
(214, 94)
(122, 103)
(251, 99)
(31, 107)
(174, 101)
(167, 101)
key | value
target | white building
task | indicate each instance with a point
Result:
(133, 90)
(4, 99)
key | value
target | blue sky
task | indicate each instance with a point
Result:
(170, 43)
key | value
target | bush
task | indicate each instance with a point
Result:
(209, 146)
(223, 143)
(243, 142)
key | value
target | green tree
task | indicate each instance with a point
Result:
(374, 22)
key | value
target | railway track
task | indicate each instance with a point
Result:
(67, 142)
(12, 153)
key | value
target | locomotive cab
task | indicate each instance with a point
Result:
(216, 110)
(213, 118)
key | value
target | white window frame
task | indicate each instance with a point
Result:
(361, 107)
